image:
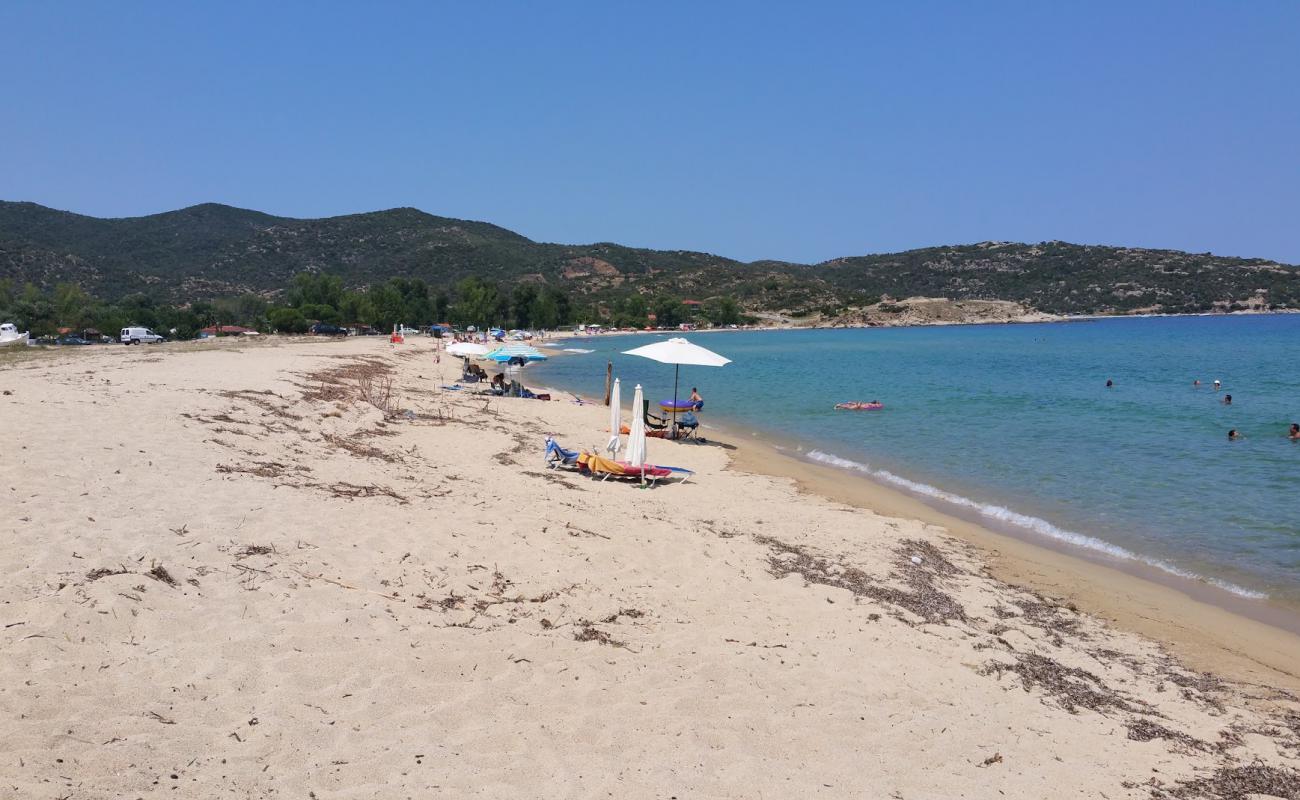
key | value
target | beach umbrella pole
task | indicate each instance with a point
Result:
(677, 370)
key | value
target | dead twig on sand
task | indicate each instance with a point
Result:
(352, 491)
(394, 598)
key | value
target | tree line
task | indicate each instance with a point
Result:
(320, 297)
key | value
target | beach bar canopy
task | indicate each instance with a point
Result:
(677, 351)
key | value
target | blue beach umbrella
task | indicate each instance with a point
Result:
(515, 350)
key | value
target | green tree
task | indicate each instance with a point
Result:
(477, 303)
(72, 305)
(722, 311)
(287, 320)
(387, 306)
(522, 299)
(631, 312)
(245, 309)
(180, 323)
(316, 288)
(544, 312)
(320, 312)
(356, 307)
(205, 313)
(669, 311)
(34, 311)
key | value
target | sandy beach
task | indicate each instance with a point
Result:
(302, 569)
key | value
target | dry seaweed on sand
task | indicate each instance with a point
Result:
(103, 572)
(588, 632)
(254, 550)
(261, 400)
(1237, 783)
(1144, 730)
(360, 449)
(262, 469)
(922, 597)
(160, 573)
(363, 379)
(1051, 617)
(1071, 687)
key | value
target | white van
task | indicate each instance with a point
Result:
(139, 335)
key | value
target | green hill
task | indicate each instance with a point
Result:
(212, 250)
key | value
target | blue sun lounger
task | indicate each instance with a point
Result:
(557, 456)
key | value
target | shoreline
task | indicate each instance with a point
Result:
(1211, 627)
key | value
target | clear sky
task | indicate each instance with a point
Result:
(754, 130)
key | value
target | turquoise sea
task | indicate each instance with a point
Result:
(1014, 425)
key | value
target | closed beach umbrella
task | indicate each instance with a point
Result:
(636, 439)
(677, 351)
(614, 421)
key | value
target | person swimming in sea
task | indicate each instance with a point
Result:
(1227, 399)
(858, 405)
(1196, 381)
(1294, 433)
(1217, 385)
(1234, 436)
(1110, 384)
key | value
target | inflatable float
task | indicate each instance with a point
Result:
(679, 406)
(858, 405)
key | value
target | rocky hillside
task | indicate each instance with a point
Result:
(211, 250)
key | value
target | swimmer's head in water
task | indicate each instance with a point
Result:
(1232, 434)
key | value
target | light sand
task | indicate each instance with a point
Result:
(413, 606)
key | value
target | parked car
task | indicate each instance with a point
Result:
(72, 340)
(136, 335)
(326, 329)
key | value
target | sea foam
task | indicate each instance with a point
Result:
(1035, 525)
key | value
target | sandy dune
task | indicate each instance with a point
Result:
(228, 573)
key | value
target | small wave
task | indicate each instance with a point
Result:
(1039, 526)
(577, 350)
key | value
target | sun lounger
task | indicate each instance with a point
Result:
(557, 456)
(604, 468)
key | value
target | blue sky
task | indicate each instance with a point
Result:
(754, 130)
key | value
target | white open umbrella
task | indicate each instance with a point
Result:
(636, 439)
(614, 420)
(676, 351)
(467, 349)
